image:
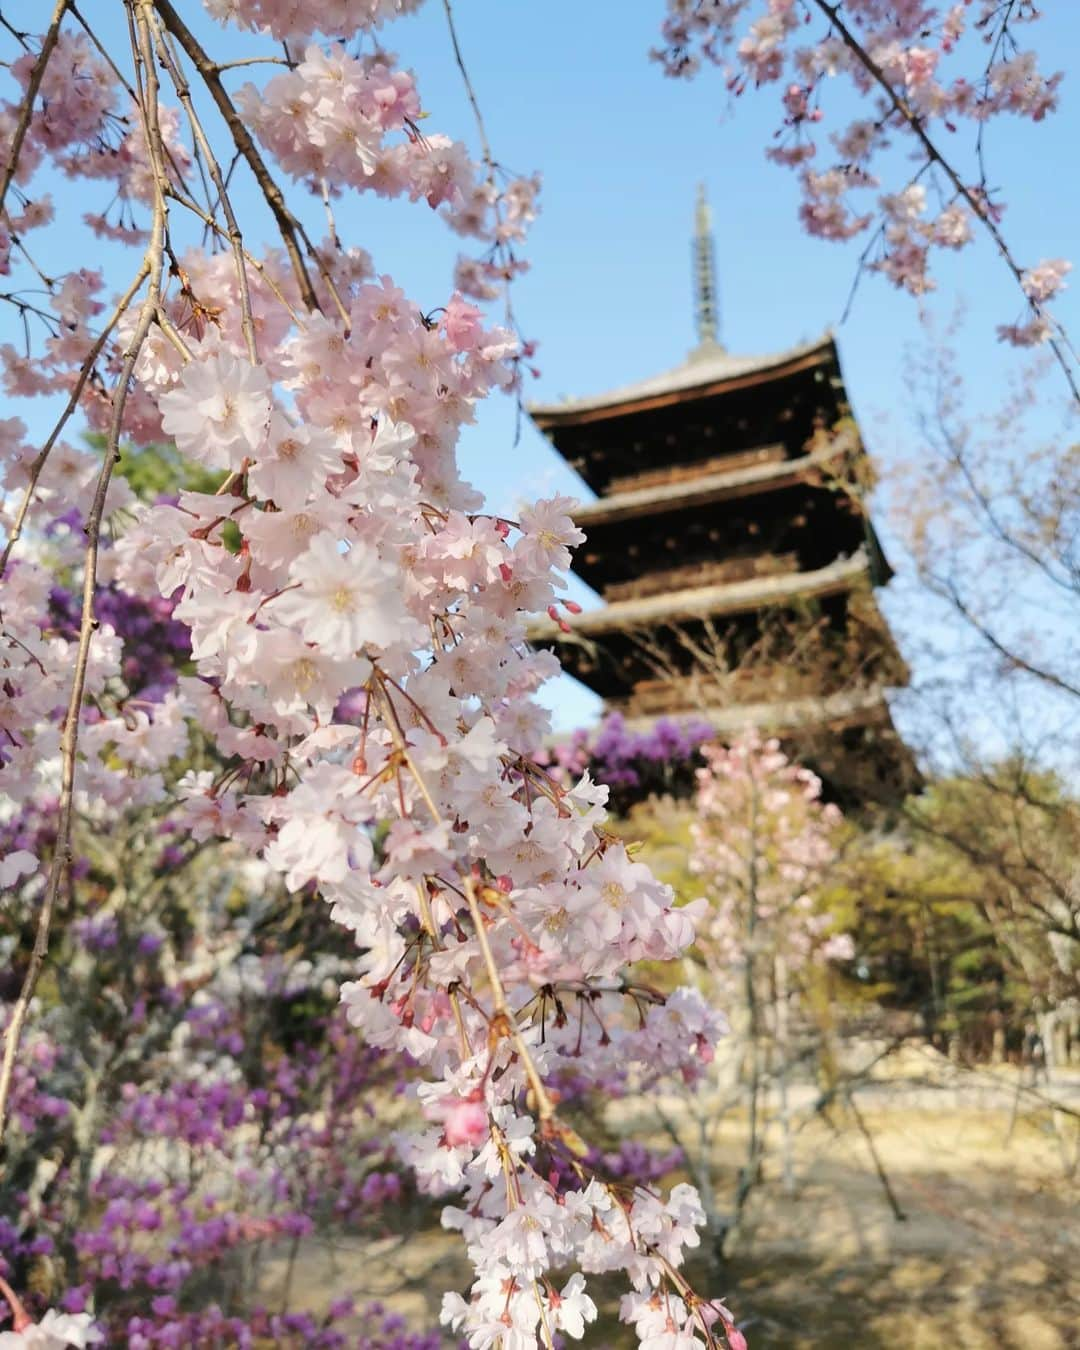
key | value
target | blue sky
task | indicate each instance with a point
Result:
(568, 90)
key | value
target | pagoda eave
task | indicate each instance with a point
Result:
(709, 488)
(705, 602)
(695, 379)
(863, 706)
(847, 737)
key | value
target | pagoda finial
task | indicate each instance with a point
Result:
(705, 302)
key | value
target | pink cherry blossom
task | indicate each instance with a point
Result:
(1043, 282)
(357, 620)
(219, 412)
(342, 601)
(466, 1122)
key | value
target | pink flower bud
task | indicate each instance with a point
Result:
(465, 1122)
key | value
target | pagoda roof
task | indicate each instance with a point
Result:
(710, 487)
(707, 371)
(881, 768)
(846, 707)
(702, 602)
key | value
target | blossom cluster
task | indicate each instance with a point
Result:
(334, 561)
(763, 842)
(288, 20)
(897, 58)
(259, 1121)
(135, 725)
(87, 127)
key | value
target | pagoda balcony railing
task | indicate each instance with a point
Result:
(707, 573)
(682, 473)
(775, 683)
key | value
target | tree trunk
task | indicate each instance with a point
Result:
(783, 1054)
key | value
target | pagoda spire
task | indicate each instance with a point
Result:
(706, 308)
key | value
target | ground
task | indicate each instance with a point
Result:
(987, 1256)
(984, 1256)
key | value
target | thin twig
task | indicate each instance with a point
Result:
(233, 232)
(879, 1168)
(221, 66)
(103, 52)
(73, 400)
(154, 260)
(470, 94)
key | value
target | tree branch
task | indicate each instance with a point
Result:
(154, 262)
(903, 108)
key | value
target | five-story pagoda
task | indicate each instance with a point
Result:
(731, 545)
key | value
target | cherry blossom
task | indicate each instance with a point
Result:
(356, 624)
(925, 71)
(1044, 281)
(764, 839)
(344, 602)
(219, 411)
(54, 1332)
(300, 18)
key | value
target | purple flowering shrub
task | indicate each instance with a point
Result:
(636, 764)
(191, 1103)
(155, 643)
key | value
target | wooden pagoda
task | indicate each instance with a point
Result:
(730, 543)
